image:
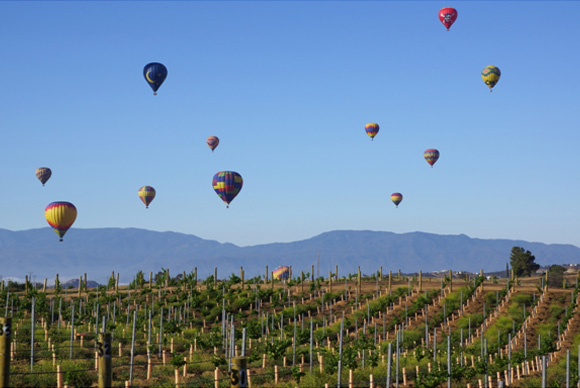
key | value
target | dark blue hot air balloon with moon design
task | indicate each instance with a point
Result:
(155, 73)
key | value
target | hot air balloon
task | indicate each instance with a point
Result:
(447, 16)
(43, 174)
(154, 74)
(213, 142)
(281, 273)
(431, 155)
(490, 75)
(227, 184)
(60, 216)
(147, 193)
(372, 129)
(396, 198)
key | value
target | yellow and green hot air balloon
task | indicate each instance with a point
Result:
(60, 216)
(490, 75)
(147, 193)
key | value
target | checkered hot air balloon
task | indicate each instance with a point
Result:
(227, 184)
(146, 194)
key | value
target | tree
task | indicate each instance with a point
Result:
(523, 262)
(556, 276)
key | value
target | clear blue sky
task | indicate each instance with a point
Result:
(288, 87)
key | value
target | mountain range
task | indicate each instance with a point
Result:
(97, 252)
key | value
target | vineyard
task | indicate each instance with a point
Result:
(457, 330)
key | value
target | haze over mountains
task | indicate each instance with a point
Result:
(98, 252)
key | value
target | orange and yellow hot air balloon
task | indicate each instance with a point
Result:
(147, 193)
(60, 216)
(281, 273)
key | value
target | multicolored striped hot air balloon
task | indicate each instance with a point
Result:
(448, 16)
(60, 216)
(227, 184)
(396, 198)
(372, 129)
(281, 273)
(490, 75)
(213, 142)
(154, 73)
(43, 174)
(147, 193)
(431, 155)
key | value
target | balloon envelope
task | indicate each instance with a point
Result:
(282, 272)
(227, 184)
(490, 75)
(448, 16)
(60, 216)
(147, 193)
(396, 198)
(431, 155)
(213, 142)
(154, 74)
(372, 129)
(43, 174)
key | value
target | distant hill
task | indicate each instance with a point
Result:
(98, 252)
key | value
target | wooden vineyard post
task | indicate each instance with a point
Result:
(215, 276)
(336, 272)
(26, 284)
(399, 277)
(420, 281)
(329, 281)
(450, 281)
(390, 279)
(481, 275)
(359, 280)
(5, 334)
(117, 283)
(150, 280)
(381, 274)
(80, 285)
(266, 278)
(242, 275)
(105, 373)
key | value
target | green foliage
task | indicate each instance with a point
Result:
(178, 360)
(523, 262)
(277, 349)
(556, 276)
